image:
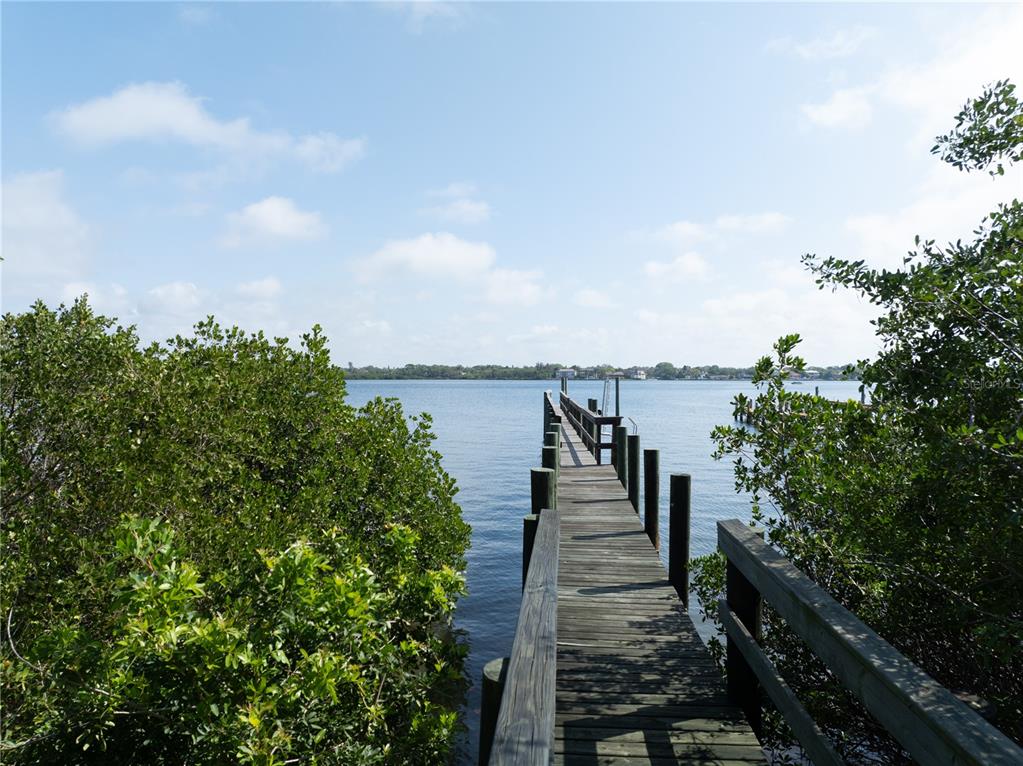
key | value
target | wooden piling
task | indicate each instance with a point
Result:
(678, 533)
(621, 452)
(594, 429)
(743, 687)
(542, 489)
(494, 674)
(549, 459)
(652, 496)
(633, 479)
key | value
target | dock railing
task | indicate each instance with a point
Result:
(930, 722)
(590, 426)
(524, 734)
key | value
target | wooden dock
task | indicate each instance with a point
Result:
(635, 684)
(607, 668)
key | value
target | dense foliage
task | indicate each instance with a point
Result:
(909, 511)
(209, 557)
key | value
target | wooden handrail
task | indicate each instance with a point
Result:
(549, 402)
(589, 425)
(926, 718)
(524, 734)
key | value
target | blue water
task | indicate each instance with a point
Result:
(490, 433)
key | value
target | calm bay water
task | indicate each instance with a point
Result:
(489, 433)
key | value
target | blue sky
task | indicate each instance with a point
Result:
(468, 183)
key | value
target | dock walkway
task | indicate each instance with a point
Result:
(635, 684)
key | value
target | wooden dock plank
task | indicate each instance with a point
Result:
(635, 684)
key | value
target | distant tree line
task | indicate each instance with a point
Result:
(539, 371)
(547, 370)
(668, 371)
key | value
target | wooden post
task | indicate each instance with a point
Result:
(553, 439)
(528, 536)
(494, 674)
(678, 534)
(652, 496)
(621, 448)
(542, 489)
(594, 430)
(546, 414)
(618, 397)
(743, 686)
(632, 483)
(549, 459)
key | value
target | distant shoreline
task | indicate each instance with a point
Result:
(549, 371)
(591, 380)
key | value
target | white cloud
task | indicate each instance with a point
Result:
(948, 206)
(367, 327)
(739, 328)
(195, 15)
(467, 211)
(847, 108)
(444, 255)
(419, 13)
(44, 238)
(461, 204)
(760, 223)
(720, 234)
(512, 287)
(158, 112)
(828, 322)
(593, 299)
(167, 112)
(966, 58)
(260, 289)
(841, 43)
(455, 189)
(174, 299)
(435, 255)
(272, 218)
(682, 233)
(536, 333)
(109, 299)
(328, 153)
(685, 266)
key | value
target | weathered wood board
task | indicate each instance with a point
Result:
(635, 685)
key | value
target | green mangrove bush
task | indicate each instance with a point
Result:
(210, 557)
(910, 511)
